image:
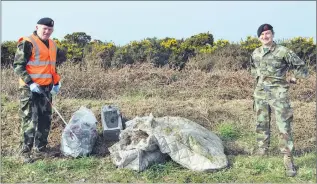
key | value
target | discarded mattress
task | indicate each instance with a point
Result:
(148, 140)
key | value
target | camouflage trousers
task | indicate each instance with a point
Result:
(35, 112)
(276, 99)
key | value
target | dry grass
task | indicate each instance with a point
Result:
(96, 83)
(209, 98)
(217, 100)
(208, 113)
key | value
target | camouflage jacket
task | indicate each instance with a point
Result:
(22, 56)
(270, 67)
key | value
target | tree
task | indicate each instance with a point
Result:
(79, 38)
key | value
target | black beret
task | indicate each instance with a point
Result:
(264, 27)
(46, 21)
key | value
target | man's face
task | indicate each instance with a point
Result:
(44, 32)
(266, 37)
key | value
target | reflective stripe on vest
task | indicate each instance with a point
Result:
(37, 50)
(41, 63)
(44, 76)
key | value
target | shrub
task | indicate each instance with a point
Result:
(139, 50)
(8, 49)
(250, 44)
(122, 56)
(228, 57)
(208, 49)
(200, 40)
(105, 53)
(303, 47)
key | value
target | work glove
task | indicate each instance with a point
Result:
(34, 87)
(55, 89)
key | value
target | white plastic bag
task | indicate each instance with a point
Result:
(79, 136)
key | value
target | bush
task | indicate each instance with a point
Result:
(105, 53)
(208, 49)
(162, 51)
(140, 50)
(228, 57)
(200, 40)
(250, 44)
(303, 47)
(122, 56)
(8, 50)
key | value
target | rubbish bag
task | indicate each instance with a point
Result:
(80, 134)
(148, 140)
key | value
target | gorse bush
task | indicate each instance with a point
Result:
(200, 40)
(140, 50)
(8, 50)
(104, 53)
(224, 57)
(72, 51)
(303, 47)
(208, 49)
(250, 44)
(175, 53)
(122, 56)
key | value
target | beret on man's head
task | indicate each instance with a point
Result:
(264, 27)
(46, 21)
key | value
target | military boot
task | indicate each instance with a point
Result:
(289, 166)
(40, 152)
(25, 153)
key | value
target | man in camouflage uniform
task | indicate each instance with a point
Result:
(269, 64)
(35, 110)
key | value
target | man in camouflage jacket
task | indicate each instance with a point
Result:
(35, 109)
(269, 65)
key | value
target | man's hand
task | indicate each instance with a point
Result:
(55, 89)
(34, 87)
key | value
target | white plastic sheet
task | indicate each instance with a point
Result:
(147, 140)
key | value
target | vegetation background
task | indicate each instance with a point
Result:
(199, 78)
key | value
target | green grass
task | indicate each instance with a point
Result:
(92, 169)
(228, 131)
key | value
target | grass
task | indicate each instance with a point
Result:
(228, 131)
(238, 142)
(221, 101)
(93, 169)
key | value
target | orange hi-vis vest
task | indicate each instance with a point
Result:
(42, 63)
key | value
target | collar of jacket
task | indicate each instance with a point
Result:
(272, 48)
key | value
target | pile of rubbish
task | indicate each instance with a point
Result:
(145, 140)
(148, 140)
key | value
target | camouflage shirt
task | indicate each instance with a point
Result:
(22, 56)
(270, 67)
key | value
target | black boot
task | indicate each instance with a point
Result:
(25, 153)
(40, 152)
